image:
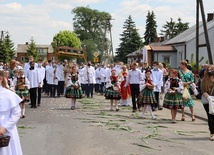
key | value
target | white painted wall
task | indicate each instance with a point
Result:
(191, 46)
(158, 56)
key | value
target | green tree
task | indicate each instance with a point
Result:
(150, 34)
(91, 26)
(172, 28)
(10, 50)
(32, 50)
(181, 27)
(66, 38)
(3, 54)
(130, 40)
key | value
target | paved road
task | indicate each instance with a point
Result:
(53, 129)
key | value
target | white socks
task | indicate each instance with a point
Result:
(150, 111)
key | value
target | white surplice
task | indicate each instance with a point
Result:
(10, 113)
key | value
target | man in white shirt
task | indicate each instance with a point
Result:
(157, 77)
(35, 81)
(134, 78)
(41, 71)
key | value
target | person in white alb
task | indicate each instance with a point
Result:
(35, 81)
(157, 77)
(27, 65)
(89, 76)
(98, 79)
(134, 78)
(10, 113)
(104, 77)
(61, 79)
(41, 71)
(52, 79)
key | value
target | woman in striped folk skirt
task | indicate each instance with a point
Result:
(173, 94)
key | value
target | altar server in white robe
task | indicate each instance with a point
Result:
(10, 113)
(27, 65)
(41, 71)
(61, 79)
(89, 76)
(35, 81)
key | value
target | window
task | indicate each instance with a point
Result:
(43, 51)
(167, 59)
(53, 58)
(23, 59)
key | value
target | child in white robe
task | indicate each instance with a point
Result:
(9, 115)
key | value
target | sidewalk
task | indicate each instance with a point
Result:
(198, 110)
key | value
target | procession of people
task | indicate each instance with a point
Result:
(136, 84)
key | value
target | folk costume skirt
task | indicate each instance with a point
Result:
(147, 96)
(71, 92)
(173, 101)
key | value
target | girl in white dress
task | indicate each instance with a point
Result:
(10, 113)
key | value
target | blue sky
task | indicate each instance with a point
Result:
(42, 19)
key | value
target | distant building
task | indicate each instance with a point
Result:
(180, 47)
(156, 52)
(46, 52)
(185, 43)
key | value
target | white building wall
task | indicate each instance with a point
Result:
(159, 56)
(191, 47)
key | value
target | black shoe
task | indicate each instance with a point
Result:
(117, 109)
(35, 107)
(31, 106)
(160, 108)
(29, 103)
(38, 105)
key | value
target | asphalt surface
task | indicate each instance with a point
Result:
(91, 129)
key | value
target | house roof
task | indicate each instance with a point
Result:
(159, 48)
(190, 33)
(21, 48)
(138, 52)
(153, 48)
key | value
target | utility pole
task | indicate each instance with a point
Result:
(105, 51)
(109, 26)
(200, 6)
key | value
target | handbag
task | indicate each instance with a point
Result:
(4, 141)
(186, 96)
(193, 89)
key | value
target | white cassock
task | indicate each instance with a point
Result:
(104, 74)
(10, 113)
(89, 74)
(34, 78)
(27, 67)
(50, 78)
(60, 73)
(41, 72)
(81, 76)
(98, 75)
